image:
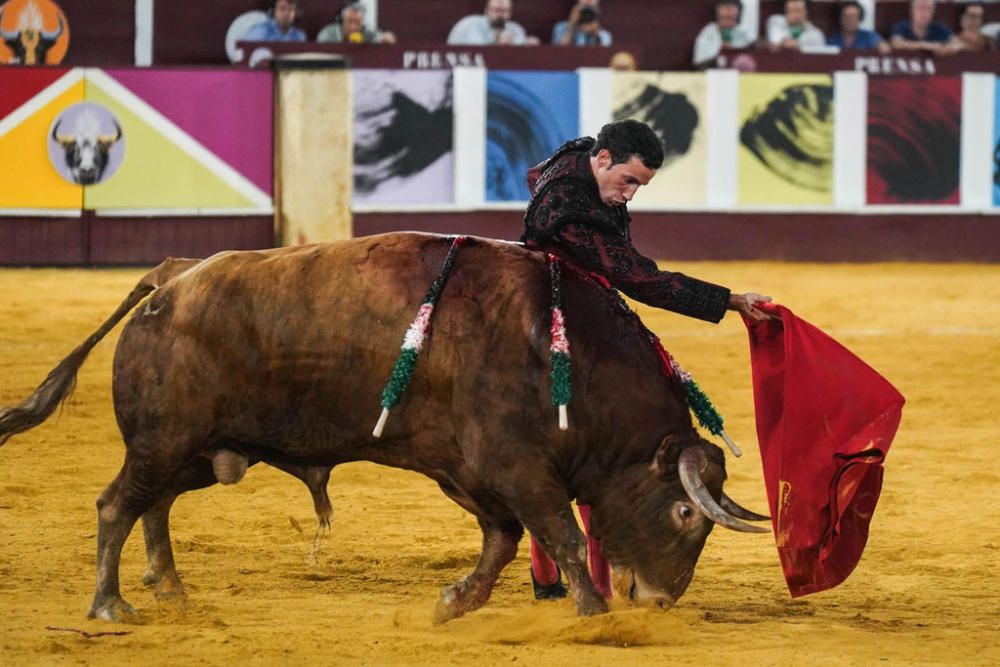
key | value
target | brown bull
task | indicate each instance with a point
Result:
(280, 356)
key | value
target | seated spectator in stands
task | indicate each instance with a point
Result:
(851, 34)
(725, 31)
(792, 29)
(349, 26)
(971, 37)
(278, 26)
(494, 26)
(921, 32)
(583, 27)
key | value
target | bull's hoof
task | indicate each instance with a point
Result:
(116, 611)
(457, 600)
(167, 591)
(592, 606)
(151, 578)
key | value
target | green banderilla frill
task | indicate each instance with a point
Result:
(402, 370)
(702, 407)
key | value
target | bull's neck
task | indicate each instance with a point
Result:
(588, 470)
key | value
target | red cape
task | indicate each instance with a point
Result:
(825, 421)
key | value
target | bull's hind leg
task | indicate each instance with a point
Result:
(316, 479)
(162, 572)
(472, 592)
(133, 492)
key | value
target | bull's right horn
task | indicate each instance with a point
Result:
(738, 511)
(109, 140)
(62, 138)
(689, 466)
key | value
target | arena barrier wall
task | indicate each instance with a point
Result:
(451, 144)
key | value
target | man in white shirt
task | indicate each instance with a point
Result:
(724, 31)
(494, 26)
(792, 30)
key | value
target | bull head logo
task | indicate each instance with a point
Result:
(30, 43)
(86, 152)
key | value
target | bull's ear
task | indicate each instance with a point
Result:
(665, 459)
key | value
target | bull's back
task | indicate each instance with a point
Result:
(291, 347)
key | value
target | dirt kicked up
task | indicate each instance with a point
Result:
(926, 592)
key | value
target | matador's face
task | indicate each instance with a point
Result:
(618, 183)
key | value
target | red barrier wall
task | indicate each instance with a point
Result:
(90, 240)
(825, 237)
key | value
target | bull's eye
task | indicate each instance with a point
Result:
(685, 511)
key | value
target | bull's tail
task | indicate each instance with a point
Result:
(57, 387)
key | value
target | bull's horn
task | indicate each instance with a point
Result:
(689, 466)
(105, 139)
(738, 511)
(62, 138)
(53, 36)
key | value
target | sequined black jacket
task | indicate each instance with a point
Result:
(567, 218)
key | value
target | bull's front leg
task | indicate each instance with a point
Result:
(559, 534)
(473, 591)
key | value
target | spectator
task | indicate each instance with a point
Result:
(971, 37)
(583, 27)
(349, 26)
(494, 26)
(725, 30)
(851, 34)
(922, 32)
(278, 26)
(792, 29)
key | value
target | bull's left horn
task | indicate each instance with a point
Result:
(689, 466)
(105, 139)
(738, 511)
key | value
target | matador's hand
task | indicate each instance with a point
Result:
(745, 303)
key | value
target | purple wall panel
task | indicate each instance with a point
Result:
(237, 125)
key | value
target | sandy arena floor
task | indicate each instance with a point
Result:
(926, 592)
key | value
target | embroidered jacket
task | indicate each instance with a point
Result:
(567, 218)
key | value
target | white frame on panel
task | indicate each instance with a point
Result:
(596, 92)
(850, 139)
(976, 171)
(144, 24)
(722, 177)
(469, 141)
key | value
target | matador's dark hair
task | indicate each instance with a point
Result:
(625, 138)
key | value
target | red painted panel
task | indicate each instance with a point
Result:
(20, 84)
(914, 140)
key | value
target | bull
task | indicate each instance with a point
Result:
(31, 45)
(86, 153)
(280, 356)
